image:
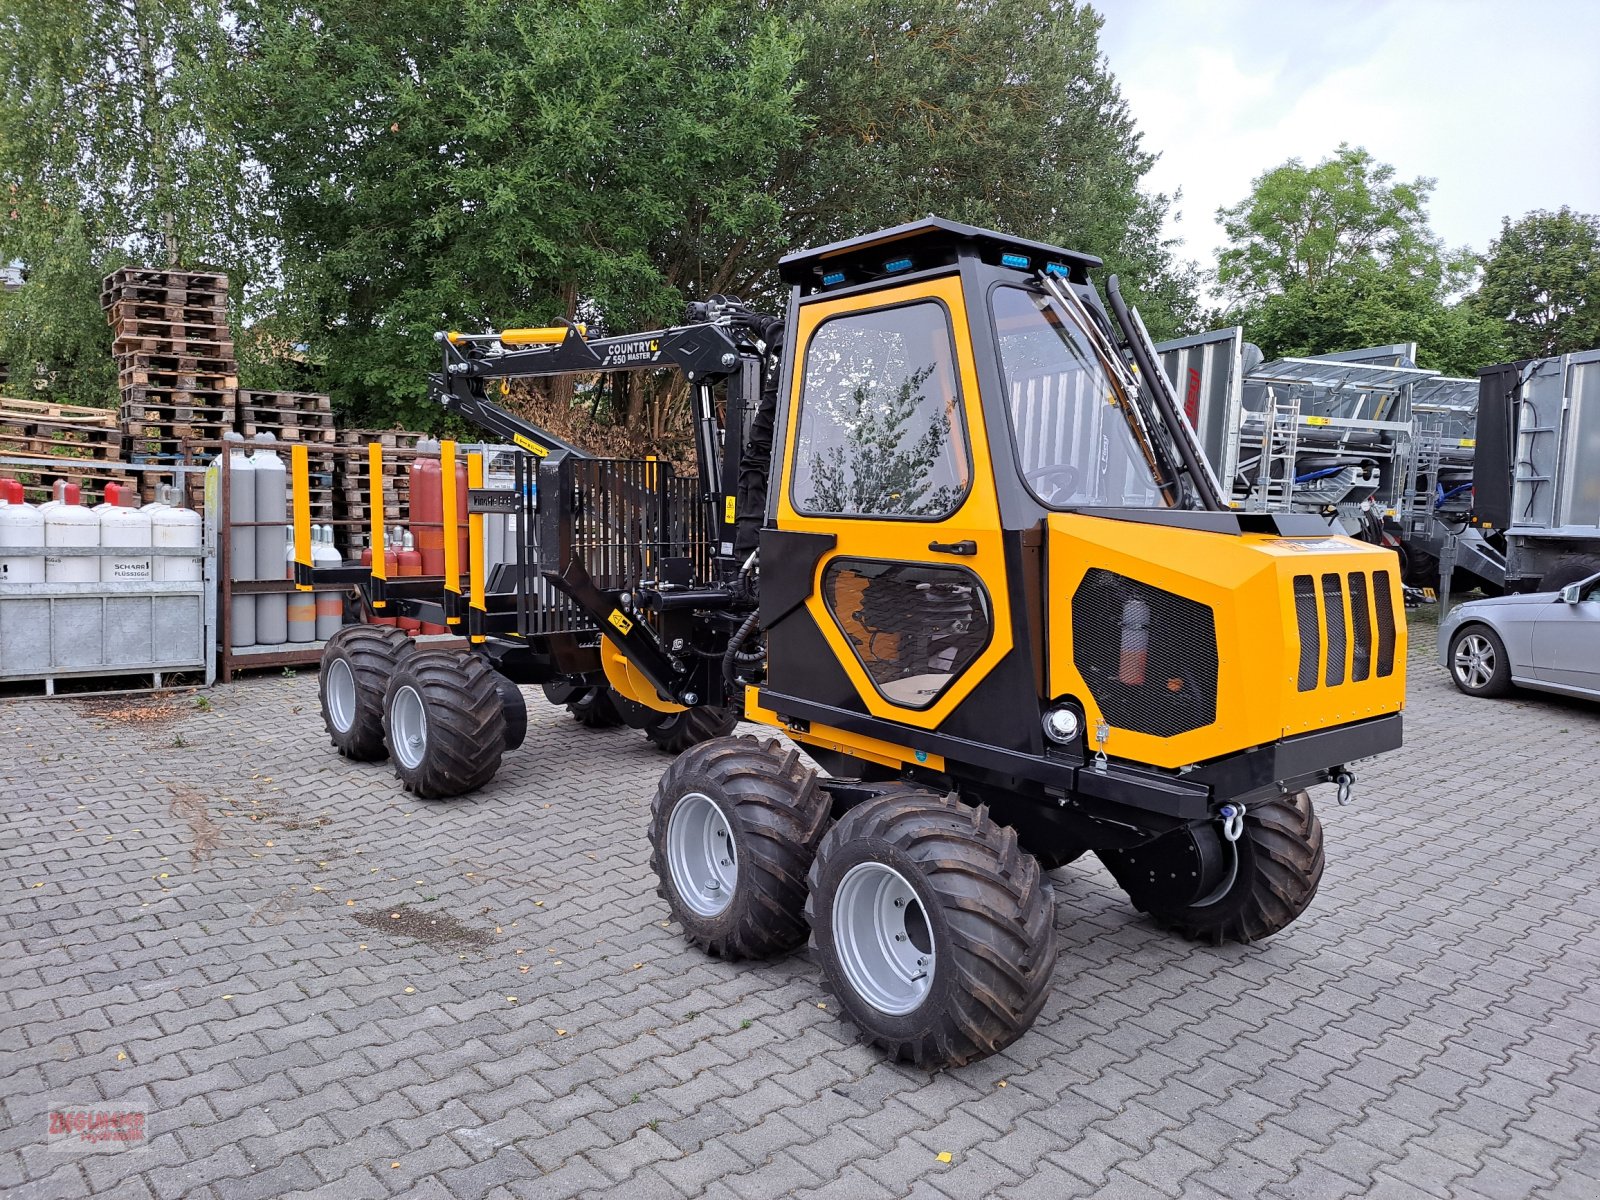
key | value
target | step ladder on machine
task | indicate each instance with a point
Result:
(1280, 441)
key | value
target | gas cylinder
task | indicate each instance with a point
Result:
(365, 559)
(21, 524)
(408, 563)
(300, 607)
(1134, 652)
(124, 526)
(241, 511)
(72, 525)
(329, 600)
(175, 528)
(427, 507)
(272, 507)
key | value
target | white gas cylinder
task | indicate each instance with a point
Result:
(71, 525)
(330, 600)
(124, 528)
(21, 525)
(175, 528)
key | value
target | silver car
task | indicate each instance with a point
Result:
(1544, 640)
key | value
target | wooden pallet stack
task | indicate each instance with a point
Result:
(292, 417)
(352, 483)
(176, 364)
(42, 429)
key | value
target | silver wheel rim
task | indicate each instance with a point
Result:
(408, 726)
(1474, 661)
(883, 938)
(341, 693)
(701, 856)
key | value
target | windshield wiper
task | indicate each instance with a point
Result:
(1182, 433)
(1111, 362)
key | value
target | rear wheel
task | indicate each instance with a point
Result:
(444, 723)
(593, 709)
(677, 732)
(356, 665)
(1479, 665)
(933, 927)
(733, 830)
(1277, 868)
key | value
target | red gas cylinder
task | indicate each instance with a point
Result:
(427, 507)
(11, 491)
(389, 565)
(408, 563)
(66, 491)
(114, 494)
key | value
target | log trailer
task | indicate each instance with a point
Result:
(951, 535)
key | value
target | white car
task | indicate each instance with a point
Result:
(1544, 640)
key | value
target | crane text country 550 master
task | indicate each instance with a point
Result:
(950, 534)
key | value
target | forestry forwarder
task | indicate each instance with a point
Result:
(951, 534)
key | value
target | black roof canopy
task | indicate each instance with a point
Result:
(918, 245)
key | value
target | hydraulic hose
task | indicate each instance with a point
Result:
(733, 658)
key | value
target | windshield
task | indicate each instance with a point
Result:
(1071, 422)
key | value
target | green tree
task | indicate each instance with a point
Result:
(500, 163)
(523, 162)
(1541, 277)
(109, 152)
(1340, 255)
(1002, 114)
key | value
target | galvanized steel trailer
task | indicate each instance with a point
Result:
(1536, 477)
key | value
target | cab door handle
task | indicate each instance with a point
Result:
(968, 547)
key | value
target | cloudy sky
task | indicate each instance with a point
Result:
(1498, 101)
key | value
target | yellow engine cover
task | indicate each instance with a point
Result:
(1184, 645)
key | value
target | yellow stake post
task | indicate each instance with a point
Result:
(475, 540)
(300, 476)
(452, 549)
(375, 502)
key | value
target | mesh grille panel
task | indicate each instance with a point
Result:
(1333, 617)
(1360, 628)
(1380, 591)
(1305, 613)
(1149, 656)
(629, 517)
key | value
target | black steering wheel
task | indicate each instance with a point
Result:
(1068, 474)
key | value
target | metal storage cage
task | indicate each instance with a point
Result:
(53, 631)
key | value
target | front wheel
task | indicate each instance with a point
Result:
(1478, 662)
(733, 830)
(933, 927)
(1277, 867)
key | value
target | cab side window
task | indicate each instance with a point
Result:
(881, 432)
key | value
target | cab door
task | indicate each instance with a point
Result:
(887, 452)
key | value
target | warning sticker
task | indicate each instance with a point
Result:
(728, 509)
(620, 622)
(531, 446)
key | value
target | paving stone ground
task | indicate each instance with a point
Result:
(198, 917)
